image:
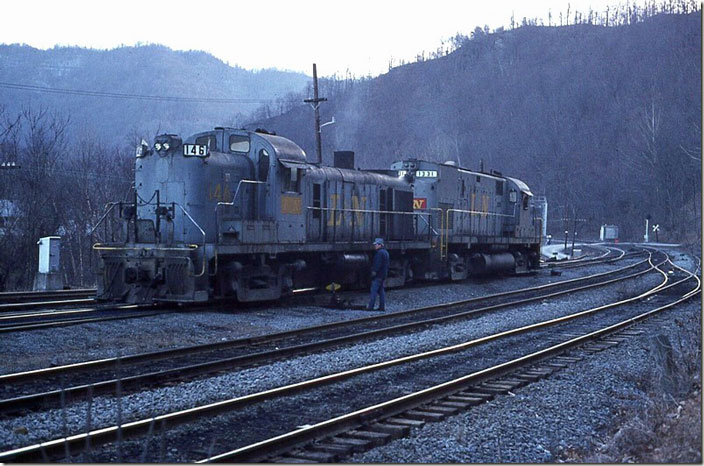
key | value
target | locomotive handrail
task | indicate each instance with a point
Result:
(491, 214)
(105, 247)
(442, 226)
(430, 227)
(446, 231)
(217, 215)
(202, 272)
(188, 247)
(366, 211)
(362, 211)
(232, 203)
(112, 205)
(237, 191)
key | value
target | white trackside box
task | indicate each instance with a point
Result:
(49, 247)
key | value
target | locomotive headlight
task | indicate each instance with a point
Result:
(164, 144)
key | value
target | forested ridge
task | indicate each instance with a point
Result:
(604, 121)
(140, 90)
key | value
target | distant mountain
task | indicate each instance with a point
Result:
(66, 74)
(605, 121)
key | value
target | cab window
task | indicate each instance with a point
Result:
(239, 143)
(263, 165)
(207, 140)
(292, 180)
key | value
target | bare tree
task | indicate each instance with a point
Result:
(37, 139)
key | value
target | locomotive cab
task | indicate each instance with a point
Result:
(520, 222)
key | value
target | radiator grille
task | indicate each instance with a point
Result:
(177, 278)
(113, 279)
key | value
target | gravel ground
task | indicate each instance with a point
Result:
(542, 422)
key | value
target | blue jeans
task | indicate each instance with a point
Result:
(377, 288)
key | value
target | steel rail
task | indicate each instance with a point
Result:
(40, 314)
(109, 434)
(8, 296)
(590, 261)
(276, 445)
(604, 258)
(67, 322)
(249, 341)
(605, 251)
(40, 304)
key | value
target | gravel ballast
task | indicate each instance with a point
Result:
(543, 421)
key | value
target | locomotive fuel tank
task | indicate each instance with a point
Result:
(485, 264)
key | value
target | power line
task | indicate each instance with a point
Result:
(117, 95)
(73, 173)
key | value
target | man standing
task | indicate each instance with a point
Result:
(380, 268)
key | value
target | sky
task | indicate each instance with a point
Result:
(359, 37)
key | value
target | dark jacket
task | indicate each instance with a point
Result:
(380, 265)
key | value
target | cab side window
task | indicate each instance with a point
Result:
(292, 180)
(512, 196)
(239, 143)
(263, 165)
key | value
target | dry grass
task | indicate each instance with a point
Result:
(666, 427)
(666, 432)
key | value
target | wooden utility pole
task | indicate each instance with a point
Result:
(315, 103)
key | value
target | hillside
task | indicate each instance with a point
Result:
(150, 70)
(605, 121)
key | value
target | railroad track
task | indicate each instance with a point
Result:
(40, 388)
(609, 254)
(22, 300)
(36, 296)
(36, 315)
(76, 442)
(18, 300)
(42, 319)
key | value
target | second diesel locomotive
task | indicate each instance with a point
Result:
(243, 214)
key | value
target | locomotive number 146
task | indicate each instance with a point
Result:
(196, 150)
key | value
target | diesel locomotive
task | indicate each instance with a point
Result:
(233, 213)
